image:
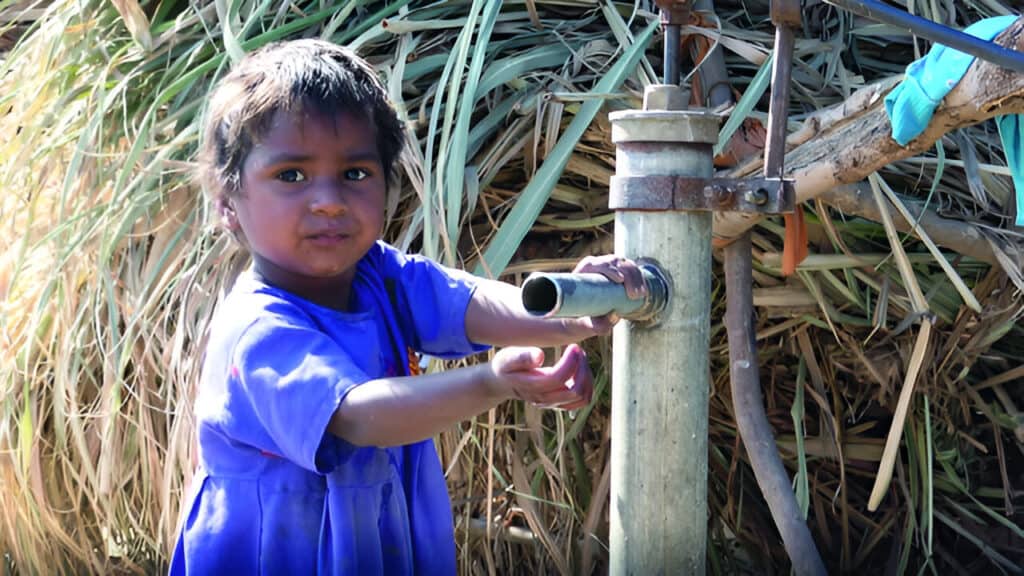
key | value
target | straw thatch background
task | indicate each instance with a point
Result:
(110, 269)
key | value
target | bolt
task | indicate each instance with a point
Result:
(718, 195)
(758, 197)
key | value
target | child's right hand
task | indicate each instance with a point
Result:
(519, 373)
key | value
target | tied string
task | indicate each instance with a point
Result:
(746, 141)
(413, 362)
(412, 359)
(794, 245)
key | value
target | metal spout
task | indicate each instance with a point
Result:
(579, 295)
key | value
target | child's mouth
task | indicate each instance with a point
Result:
(328, 238)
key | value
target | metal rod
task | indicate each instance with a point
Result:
(748, 406)
(782, 68)
(580, 295)
(713, 74)
(750, 415)
(671, 64)
(938, 33)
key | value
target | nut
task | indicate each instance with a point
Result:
(758, 197)
(665, 97)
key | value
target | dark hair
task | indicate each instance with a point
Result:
(295, 76)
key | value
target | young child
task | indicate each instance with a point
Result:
(315, 440)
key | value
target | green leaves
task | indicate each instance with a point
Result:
(531, 200)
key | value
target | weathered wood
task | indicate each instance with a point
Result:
(850, 149)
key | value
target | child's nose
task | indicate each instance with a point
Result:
(328, 198)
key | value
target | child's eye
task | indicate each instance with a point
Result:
(356, 174)
(291, 176)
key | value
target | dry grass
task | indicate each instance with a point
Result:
(109, 273)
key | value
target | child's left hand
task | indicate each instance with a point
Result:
(617, 269)
(519, 372)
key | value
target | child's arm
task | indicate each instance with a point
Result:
(496, 315)
(396, 411)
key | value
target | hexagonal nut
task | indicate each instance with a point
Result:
(665, 97)
(757, 197)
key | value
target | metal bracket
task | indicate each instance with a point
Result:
(683, 193)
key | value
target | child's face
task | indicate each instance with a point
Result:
(311, 202)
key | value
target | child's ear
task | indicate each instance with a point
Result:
(226, 210)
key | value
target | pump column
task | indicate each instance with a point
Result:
(660, 390)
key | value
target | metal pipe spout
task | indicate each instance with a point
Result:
(579, 295)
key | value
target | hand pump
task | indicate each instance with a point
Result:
(663, 194)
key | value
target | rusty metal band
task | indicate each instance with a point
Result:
(682, 193)
(785, 13)
(674, 12)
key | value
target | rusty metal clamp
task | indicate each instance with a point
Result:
(768, 195)
(682, 193)
(785, 13)
(674, 12)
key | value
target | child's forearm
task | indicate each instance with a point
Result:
(496, 316)
(396, 411)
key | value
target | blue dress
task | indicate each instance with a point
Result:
(275, 493)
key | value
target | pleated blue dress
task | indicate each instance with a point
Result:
(275, 493)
